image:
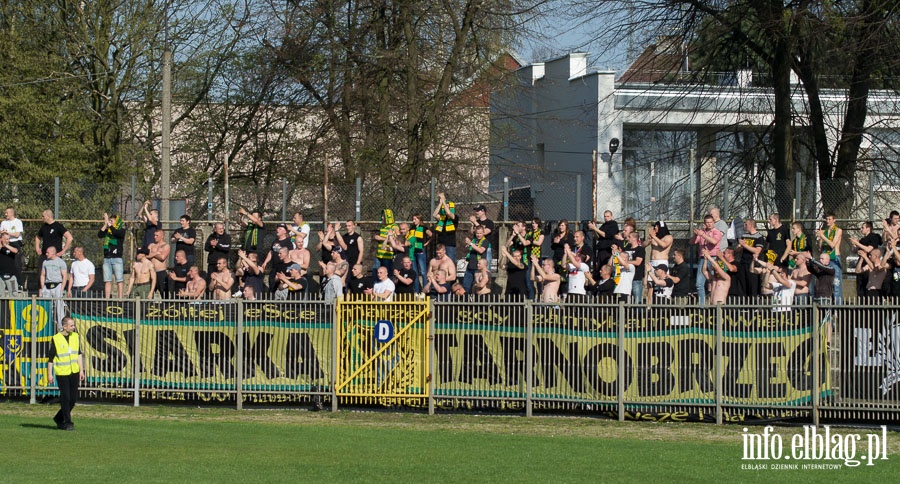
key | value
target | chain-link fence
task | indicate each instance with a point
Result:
(80, 206)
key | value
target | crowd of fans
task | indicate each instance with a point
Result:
(599, 261)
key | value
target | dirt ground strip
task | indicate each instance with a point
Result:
(512, 425)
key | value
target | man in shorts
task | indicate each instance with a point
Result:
(143, 276)
(113, 234)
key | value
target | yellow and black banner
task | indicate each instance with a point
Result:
(480, 351)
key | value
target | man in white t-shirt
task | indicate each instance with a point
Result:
(783, 288)
(299, 231)
(83, 274)
(383, 290)
(13, 226)
(578, 272)
(622, 266)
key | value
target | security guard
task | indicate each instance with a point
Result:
(66, 362)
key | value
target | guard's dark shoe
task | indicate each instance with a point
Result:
(59, 423)
(70, 427)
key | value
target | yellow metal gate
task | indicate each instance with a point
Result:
(382, 352)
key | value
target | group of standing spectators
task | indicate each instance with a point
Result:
(601, 259)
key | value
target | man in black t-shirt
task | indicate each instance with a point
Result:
(777, 239)
(358, 281)
(151, 224)
(445, 214)
(178, 276)
(636, 254)
(680, 273)
(404, 277)
(516, 270)
(751, 245)
(661, 283)
(253, 231)
(184, 239)
(52, 233)
(605, 237)
(282, 241)
(352, 244)
(218, 244)
(606, 285)
(8, 283)
(480, 219)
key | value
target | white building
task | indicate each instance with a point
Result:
(557, 121)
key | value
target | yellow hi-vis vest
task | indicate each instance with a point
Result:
(66, 360)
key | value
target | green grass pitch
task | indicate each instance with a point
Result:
(167, 444)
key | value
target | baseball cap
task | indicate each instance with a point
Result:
(479, 208)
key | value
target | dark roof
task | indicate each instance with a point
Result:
(656, 63)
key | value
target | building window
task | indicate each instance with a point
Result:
(744, 182)
(884, 159)
(656, 165)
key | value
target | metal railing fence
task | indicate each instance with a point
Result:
(748, 361)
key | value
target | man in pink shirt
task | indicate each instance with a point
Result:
(707, 238)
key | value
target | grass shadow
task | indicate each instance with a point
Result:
(38, 426)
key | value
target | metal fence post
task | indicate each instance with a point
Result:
(56, 197)
(431, 357)
(284, 199)
(726, 200)
(798, 195)
(209, 201)
(529, 358)
(239, 364)
(620, 358)
(871, 195)
(693, 202)
(505, 199)
(358, 199)
(136, 359)
(433, 187)
(720, 364)
(577, 200)
(334, 340)
(33, 347)
(816, 360)
(133, 196)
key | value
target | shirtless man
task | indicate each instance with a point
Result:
(721, 280)
(830, 239)
(437, 286)
(220, 282)
(660, 241)
(300, 256)
(545, 273)
(891, 226)
(482, 284)
(443, 262)
(159, 257)
(196, 286)
(143, 276)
